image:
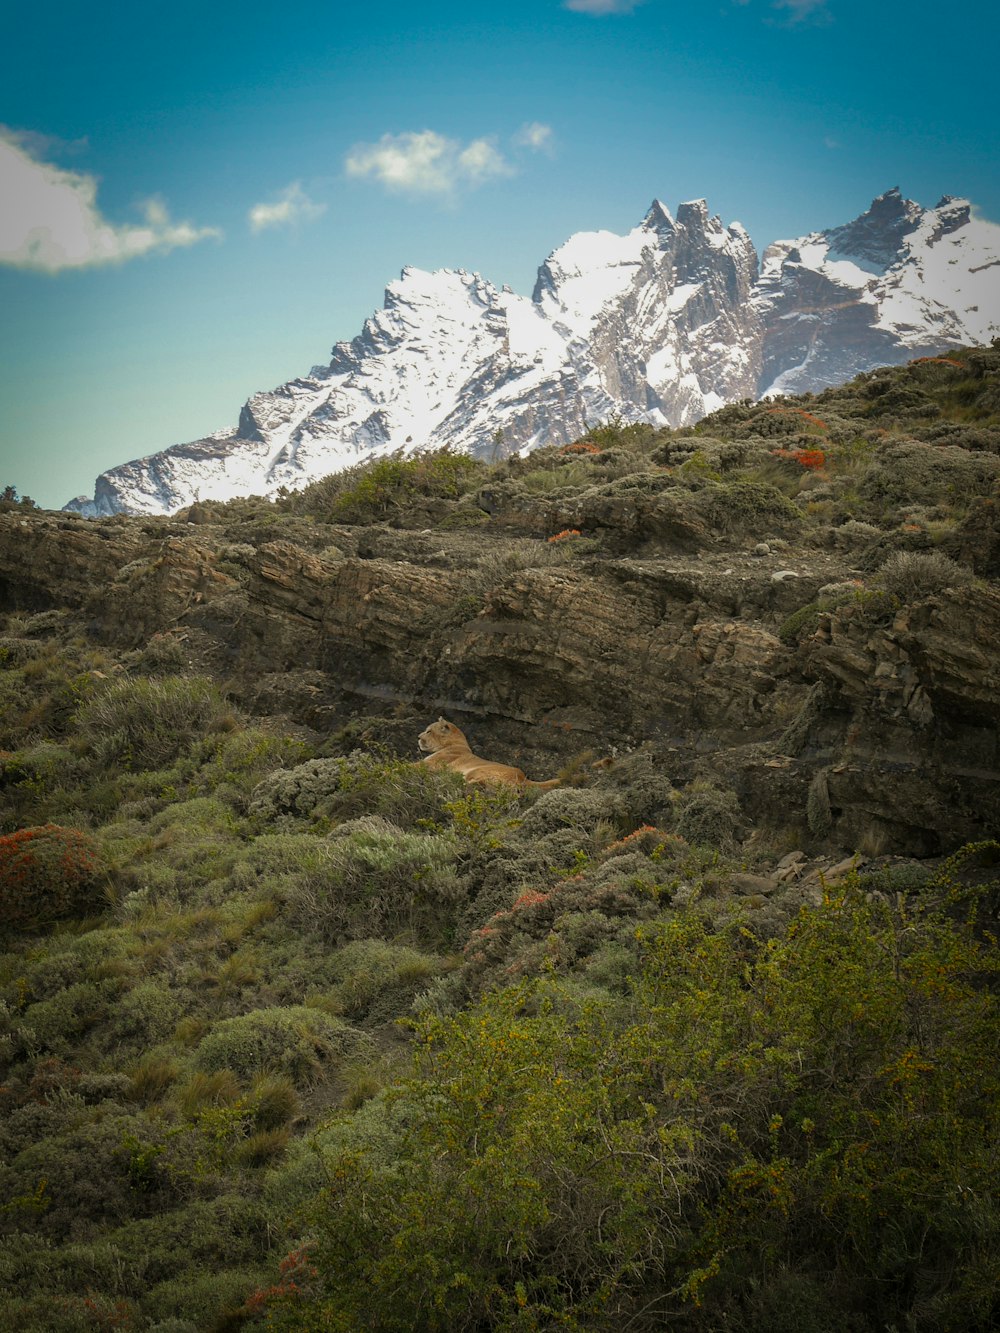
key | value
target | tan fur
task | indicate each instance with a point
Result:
(446, 747)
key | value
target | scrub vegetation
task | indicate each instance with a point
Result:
(297, 1034)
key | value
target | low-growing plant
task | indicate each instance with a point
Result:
(378, 879)
(409, 794)
(55, 1024)
(910, 575)
(142, 723)
(274, 1099)
(203, 1090)
(710, 815)
(152, 1077)
(824, 1105)
(373, 490)
(147, 1014)
(293, 1041)
(750, 506)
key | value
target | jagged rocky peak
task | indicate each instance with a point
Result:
(952, 213)
(663, 324)
(899, 281)
(658, 219)
(877, 235)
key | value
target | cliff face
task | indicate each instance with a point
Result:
(898, 720)
(671, 622)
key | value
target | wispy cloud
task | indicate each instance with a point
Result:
(534, 135)
(50, 221)
(427, 162)
(798, 11)
(601, 6)
(792, 12)
(291, 207)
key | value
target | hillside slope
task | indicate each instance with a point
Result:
(296, 1032)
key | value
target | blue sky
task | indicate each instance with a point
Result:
(196, 203)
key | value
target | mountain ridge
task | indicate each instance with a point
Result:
(664, 324)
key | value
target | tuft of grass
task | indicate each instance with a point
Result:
(262, 1147)
(151, 1078)
(275, 1101)
(909, 575)
(204, 1090)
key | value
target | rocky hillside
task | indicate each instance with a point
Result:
(298, 1033)
(796, 598)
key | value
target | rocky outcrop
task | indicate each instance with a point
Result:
(877, 734)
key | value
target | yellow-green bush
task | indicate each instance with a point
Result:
(377, 879)
(823, 1109)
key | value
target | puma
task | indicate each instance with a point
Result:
(446, 747)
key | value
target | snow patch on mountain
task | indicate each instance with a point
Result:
(664, 324)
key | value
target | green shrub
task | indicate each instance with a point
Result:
(753, 507)
(203, 1298)
(151, 1078)
(378, 879)
(33, 778)
(146, 724)
(147, 1014)
(558, 927)
(47, 873)
(911, 473)
(801, 623)
(376, 980)
(245, 756)
(362, 784)
(57, 1022)
(202, 1091)
(373, 490)
(709, 815)
(910, 575)
(86, 1173)
(295, 1041)
(297, 791)
(275, 1101)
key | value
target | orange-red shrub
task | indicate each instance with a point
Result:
(580, 447)
(46, 873)
(813, 459)
(799, 412)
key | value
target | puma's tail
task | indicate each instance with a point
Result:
(544, 786)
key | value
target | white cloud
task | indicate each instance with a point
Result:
(534, 135)
(601, 6)
(49, 218)
(427, 162)
(292, 206)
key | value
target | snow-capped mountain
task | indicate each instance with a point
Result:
(664, 324)
(895, 283)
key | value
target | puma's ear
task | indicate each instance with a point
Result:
(440, 719)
